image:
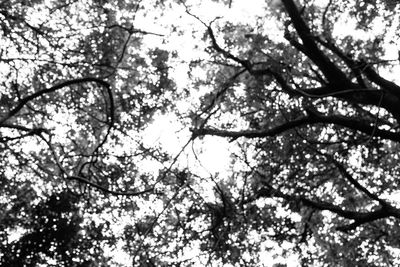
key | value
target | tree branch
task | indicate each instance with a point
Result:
(215, 45)
(106, 190)
(351, 180)
(53, 89)
(312, 118)
(28, 132)
(359, 218)
(21, 128)
(310, 48)
(374, 77)
(355, 183)
(351, 64)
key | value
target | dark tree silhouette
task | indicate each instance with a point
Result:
(310, 113)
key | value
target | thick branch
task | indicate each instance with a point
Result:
(386, 85)
(364, 218)
(310, 48)
(389, 101)
(351, 64)
(352, 94)
(313, 118)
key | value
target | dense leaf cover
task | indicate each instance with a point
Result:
(301, 96)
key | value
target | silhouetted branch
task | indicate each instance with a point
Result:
(245, 63)
(310, 48)
(132, 30)
(312, 118)
(53, 89)
(354, 66)
(109, 191)
(352, 180)
(359, 218)
(374, 77)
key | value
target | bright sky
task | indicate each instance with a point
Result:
(215, 151)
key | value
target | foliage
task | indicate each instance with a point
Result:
(108, 108)
(51, 233)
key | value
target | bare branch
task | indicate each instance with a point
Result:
(353, 181)
(351, 64)
(53, 89)
(312, 118)
(324, 15)
(360, 218)
(386, 85)
(132, 30)
(245, 63)
(310, 48)
(106, 190)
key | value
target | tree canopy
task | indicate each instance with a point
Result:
(219, 133)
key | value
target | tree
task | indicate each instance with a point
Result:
(309, 111)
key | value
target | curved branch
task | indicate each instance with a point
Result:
(53, 89)
(359, 218)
